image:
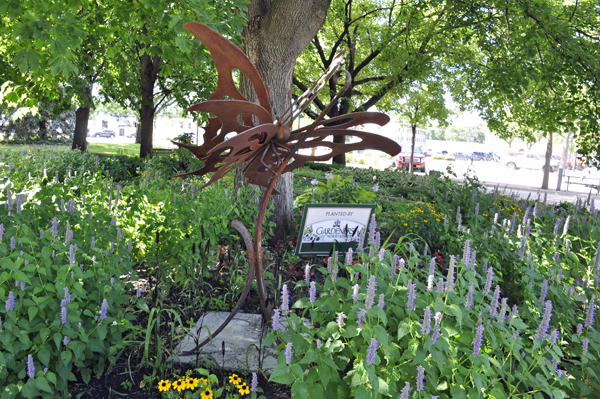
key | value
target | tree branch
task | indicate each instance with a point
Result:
(303, 87)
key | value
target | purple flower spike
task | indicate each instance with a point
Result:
(545, 323)
(554, 336)
(288, 353)
(10, 302)
(63, 311)
(469, 301)
(355, 289)
(66, 340)
(371, 287)
(361, 318)
(307, 273)
(405, 391)
(285, 299)
(30, 367)
(381, 302)
(589, 319)
(435, 334)
(544, 291)
(478, 339)
(410, 306)
(340, 319)
(584, 346)
(494, 304)
(254, 383)
(276, 320)
(426, 325)
(312, 292)
(372, 352)
(104, 309)
(420, 378)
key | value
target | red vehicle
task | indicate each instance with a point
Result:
(403, 160)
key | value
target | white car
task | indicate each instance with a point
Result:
(518, 160)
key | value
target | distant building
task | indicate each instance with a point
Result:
(404, 137)
(121, 125)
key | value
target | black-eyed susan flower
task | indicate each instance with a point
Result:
(206, 394)
(243, 388)
(164, 385)
(235, 380)
(179, 385)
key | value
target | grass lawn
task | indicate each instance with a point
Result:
(130, 149)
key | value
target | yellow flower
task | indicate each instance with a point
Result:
(207, 394)
(235, 380)
(164, 385)
(191, 383)
(244, 390)
(179, 385)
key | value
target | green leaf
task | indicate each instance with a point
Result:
(403, 329)
(455, 311)
(44, 356)
(458, 393)
(315, 390)
(325, 374)
(300, 389)
(65, 357)
(310, 357)
(20, 276)
(42, 384)
(363, 393)
(478, 383)
(32, 311)
(281, 375)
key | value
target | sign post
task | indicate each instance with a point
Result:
(325, 226)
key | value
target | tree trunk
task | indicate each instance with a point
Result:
(149, 69)
(412, 146)
(82, 118)
(138, 134)
(43, 129)
(547, 163)
(276, 34)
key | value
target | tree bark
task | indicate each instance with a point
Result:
(276, 34)
(82, 118)
(149, 69)
(412, 146)
(43, 129)
(547, 163)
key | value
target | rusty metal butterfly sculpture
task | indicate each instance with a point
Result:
(268, 148)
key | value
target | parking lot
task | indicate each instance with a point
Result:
(494, 172)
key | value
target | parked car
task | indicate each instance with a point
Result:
(518, 160)
(461, 156)
(130, 135)
(105, 133)
(480, 156)
(403, 160)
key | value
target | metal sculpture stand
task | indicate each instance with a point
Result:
(270, 148)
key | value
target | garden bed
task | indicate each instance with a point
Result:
(118, 265)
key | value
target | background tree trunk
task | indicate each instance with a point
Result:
(547, 163)
(82, 118)
(412, 146)
(149, 68)
(276, 34)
